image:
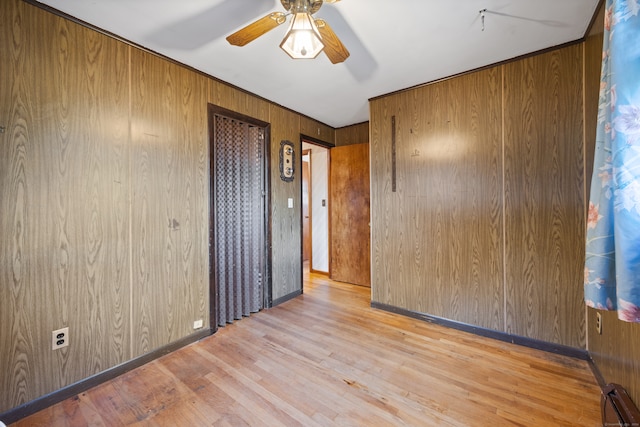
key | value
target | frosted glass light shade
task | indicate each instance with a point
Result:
(302, 40)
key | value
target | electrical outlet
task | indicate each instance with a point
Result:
(197, 324)
(59, 338)
(599, 323)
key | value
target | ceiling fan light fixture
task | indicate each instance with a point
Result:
(303, 40)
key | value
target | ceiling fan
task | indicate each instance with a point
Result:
(307, 36)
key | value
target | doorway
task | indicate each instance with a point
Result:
(238, 236)
(315, 207)
(306, 202)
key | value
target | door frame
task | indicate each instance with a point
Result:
(212, 111)
(309, 205)
(328, 145)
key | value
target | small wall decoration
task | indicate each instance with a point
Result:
(286, 161)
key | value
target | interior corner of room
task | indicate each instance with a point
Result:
(463, 202)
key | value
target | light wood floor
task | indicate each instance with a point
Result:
(327, 358)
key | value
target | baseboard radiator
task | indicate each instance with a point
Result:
(617, 408)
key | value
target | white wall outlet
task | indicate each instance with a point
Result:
(290, 203)
(197, 324)
(599, 323)
(59, 338)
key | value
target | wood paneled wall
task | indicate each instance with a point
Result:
(354, 134)
(65, 190)
(286, 223)
(317, 130)
(616, 352)
(487, 224)
(104, 177)
(544, 197)
(232, 99)
(437, 240)
(169, 205)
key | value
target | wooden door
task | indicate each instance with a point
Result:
(349, 214)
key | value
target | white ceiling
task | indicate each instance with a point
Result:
(394, 44)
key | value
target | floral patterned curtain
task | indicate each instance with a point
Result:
(612, 267)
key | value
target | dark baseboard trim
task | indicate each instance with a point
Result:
(286, 298)
(489, 333)
(596, 373)
(64, 393)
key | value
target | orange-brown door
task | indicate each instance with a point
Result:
(349, 214)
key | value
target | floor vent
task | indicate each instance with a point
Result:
(617, 407)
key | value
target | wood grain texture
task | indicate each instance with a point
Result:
(544, 197)
(66, 185)
(18, 173)
(327, 358)
(317, 130)
(169, 201)
(437, 240)
(616, 351)
(383, 243)
(233, 99)
(90, 155)
(355, 134)
(349, 196)
(286, 226)
(64, 202)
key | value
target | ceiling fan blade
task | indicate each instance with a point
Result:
(256, 29)
(333, 47)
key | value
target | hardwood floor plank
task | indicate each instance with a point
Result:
(327, 358)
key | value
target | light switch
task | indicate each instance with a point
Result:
(290, 203)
